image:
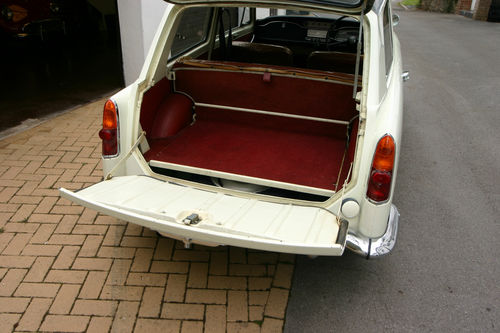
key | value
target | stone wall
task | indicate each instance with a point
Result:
(462, 5)
(480, 11)
(442, 6)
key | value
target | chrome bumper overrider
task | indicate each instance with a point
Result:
(376, 247)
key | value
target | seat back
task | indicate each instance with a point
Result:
(334, 61)
(258, 53)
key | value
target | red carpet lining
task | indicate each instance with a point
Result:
(239, 148)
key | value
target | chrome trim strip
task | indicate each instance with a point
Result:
(377, 247)
(405, 76)
(342, 235)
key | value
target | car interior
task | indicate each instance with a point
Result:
(269, 102)
(301, 41)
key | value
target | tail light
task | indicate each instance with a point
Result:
(109, 132)
(379, 184)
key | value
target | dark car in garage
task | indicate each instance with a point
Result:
(41, 20)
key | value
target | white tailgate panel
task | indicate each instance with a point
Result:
(162, 206)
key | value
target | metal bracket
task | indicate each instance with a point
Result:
(357, 99)
(135, 145)
(192, 219)
(405, 76)
(171, 75)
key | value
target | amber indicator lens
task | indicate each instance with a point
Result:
(109, 131)
(109, 117)
(384, 155)
(379, 184)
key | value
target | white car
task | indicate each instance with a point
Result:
(271, 125)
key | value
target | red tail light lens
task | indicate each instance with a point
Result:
(379, 184)
(109, 132)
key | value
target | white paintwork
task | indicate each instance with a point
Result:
(350, 209)
(225, 219)
(241, 178)
(380, 112)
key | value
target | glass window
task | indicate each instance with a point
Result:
(387, 38)
(244, 16)
(237, 16)
(266, 12)
(192, 30)
(230, 18)
(263, 13)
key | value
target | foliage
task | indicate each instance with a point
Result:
(443, 6)
(411, 2)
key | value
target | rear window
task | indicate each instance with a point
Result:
(235, 17)
(263, 13)
(192, 31)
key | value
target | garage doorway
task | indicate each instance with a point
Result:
(56, 54)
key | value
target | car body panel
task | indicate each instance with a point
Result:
(380, 110)
(340, 6)
(42, 19)
(224, 219)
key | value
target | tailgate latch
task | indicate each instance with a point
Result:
(192, 219)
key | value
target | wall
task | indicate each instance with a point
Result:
(463, 5)
(138, 23)
(482, 9)
(479, 9)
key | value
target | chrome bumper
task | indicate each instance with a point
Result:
(376, 247)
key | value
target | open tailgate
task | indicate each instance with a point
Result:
(224, 219)
(354, 7)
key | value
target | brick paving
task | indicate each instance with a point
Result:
(66, 268)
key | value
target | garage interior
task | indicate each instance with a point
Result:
(47, 69)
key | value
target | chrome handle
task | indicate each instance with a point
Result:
(405, 76)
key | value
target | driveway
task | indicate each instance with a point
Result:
(64, 268)
(443, 273)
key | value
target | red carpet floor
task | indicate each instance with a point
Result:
(245, 149)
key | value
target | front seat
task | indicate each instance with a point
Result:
(258, 53)
(332, 61)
